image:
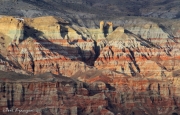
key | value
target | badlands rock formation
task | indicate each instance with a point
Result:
(106, 93)
(12, 28)
(51, 66)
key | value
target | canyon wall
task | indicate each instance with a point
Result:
(50, 66)
(119, 96)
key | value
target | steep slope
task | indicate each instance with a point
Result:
(128, 69)
(53, 45)
(104, 93)
(91, 9)
(146, 52)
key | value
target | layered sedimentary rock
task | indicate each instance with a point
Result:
(124, 70)
(6, 65)
(39, 56)
(127, 95)
(12, 28)
(63, 96)
(53, 45)
(133, 55)
(47, 27)
(11, 31)
(148, 30)
(105, 93)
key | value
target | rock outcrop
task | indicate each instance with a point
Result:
(148, 30)
(50, 66)
(131, 54)
(12, 28)
(63, 96)
(104, 93)
(127, 95)
(57, 56)
(110, 27)
(51, 47)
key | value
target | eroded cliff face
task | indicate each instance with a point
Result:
(59, 98)
(62, 96)
(130, 69)
(139, 96)
(50, 47)
(140, 56)
(112, 94)
(53, 45)
(12, 28)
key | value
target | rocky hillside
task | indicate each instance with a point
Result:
(85, 12)
(52, 66)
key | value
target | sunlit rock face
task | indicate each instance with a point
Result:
(138, 55)
(51, 47)
(12, 28)
(54, 67)
(11, 31)
(46, 56)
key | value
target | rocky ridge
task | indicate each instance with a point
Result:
(89, 9)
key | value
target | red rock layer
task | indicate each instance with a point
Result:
(55, 56)
(122, 95)
(6, 65)
(59, 98)
(148, 59)
(128, 95)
